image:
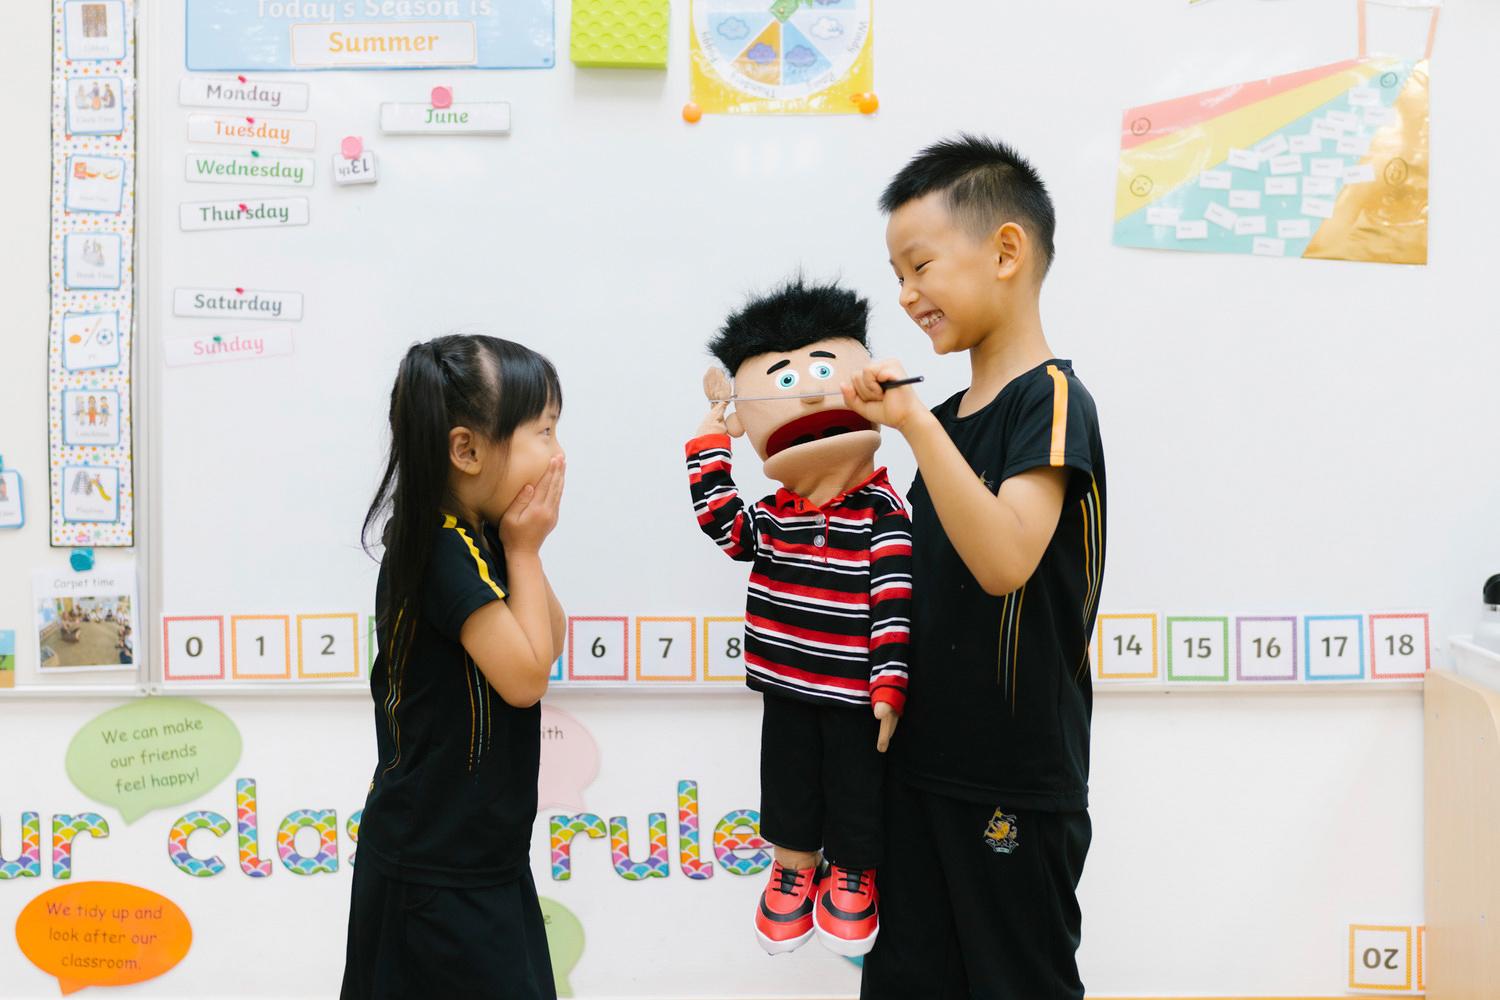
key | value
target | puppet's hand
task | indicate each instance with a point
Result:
(888, 717)
(713, 422)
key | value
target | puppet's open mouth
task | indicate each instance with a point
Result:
(814, 427)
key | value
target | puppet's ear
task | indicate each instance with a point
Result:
(716, 384)
(735, 425)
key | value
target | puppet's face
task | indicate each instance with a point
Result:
(792, 435)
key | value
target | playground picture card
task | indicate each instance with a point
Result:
(92, 261)
(96, 105)
(12, 502)
(94, 29)
(91, 417)
(91, 340)
(90, 494)
(85, 621)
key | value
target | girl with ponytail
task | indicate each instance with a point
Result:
(443, 902)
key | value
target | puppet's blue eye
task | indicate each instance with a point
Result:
(822, 370)
(786, 380)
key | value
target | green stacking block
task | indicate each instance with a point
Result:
(621, 34)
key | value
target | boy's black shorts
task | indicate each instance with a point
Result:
(410, 940)
(822, 780)
(976, 900)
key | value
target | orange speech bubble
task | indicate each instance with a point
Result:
(102, 934)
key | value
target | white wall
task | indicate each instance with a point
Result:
(1282, 436)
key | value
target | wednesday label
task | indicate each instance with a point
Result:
(211, 168)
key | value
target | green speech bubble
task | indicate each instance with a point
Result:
(564, 941)
(152, 753)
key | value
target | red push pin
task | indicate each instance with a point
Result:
(241, 78)
(442, 97)
(250, 120)
(352, 147)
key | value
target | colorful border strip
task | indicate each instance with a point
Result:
(67, 71)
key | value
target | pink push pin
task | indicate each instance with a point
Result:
(352, 147)
(442, 97)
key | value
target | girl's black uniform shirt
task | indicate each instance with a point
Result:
(454, 795)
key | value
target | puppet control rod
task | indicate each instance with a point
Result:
(896, 383)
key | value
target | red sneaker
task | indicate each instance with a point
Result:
(847, 918)
(784, 919)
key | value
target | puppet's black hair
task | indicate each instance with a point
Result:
(789, 318)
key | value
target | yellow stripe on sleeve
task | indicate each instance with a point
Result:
(1059, 415)
(449, 521)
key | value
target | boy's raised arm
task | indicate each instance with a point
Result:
(1001, 538)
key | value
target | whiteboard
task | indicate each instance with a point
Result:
(1282, 437)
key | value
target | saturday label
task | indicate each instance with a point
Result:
(211, 168)
(237, 303)
(231, 92)
(247, 130)
(489, 118)
(248, 214)
(227, 347)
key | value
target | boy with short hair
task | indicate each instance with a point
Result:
(987, 824)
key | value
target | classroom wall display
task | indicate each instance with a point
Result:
(12, 498)
(85, 621)
(7, 658)
(620, 34)
(311, 35)
(782, 57)
(102, 933)
(1329, 162)
(93, 220)
(1142, 647)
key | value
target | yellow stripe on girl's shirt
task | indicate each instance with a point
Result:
(449, 521)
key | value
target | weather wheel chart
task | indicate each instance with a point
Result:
(797, 56)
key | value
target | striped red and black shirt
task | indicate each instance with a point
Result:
(828, 613)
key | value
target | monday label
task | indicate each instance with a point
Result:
(248, 130)
(223, 168)
(240, 92)
(249, 214)
(237, 303)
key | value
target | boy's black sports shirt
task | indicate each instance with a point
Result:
(1001, 697)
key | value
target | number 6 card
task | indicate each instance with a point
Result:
(597, 649)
